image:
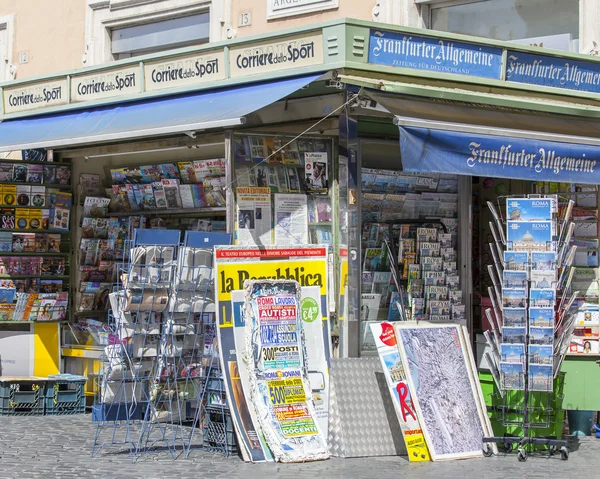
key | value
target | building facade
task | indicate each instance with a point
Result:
(63, 34)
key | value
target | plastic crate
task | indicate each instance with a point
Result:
(22, 396)
(218, 432)
(112, 412)
(65, 394)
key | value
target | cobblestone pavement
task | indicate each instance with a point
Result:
(61, 447)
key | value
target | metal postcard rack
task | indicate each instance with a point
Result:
(157, 385)
(531, 323)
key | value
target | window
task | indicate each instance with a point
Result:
(549, 23)
(6, 48)
(117, 29)
(160, 36)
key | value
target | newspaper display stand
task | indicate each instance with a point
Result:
(531, 318)
(154, 388)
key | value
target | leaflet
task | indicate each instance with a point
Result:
(254, 216)
(291, 227)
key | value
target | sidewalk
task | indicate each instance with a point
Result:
(60, 446)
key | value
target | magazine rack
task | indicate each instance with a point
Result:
(157, 369)
(530, 331)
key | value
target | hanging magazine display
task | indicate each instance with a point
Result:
(279, 385)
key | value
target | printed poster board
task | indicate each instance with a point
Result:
(279, 385)
(387, 348)
(234, 265)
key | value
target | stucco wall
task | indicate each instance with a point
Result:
(50, 31)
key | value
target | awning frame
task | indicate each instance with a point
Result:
(486, 130)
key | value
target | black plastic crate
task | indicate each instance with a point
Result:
(22, 396)
(218, 433)
(65, 394)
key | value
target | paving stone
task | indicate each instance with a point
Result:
(48, 447)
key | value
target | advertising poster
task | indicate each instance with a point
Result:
(387, 348)
(291, 226)
(233, 266)
(253, 220)
(315, 170)
(279, 385)
(250, 439)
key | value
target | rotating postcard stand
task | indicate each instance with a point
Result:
(154, 386)
(530, 318)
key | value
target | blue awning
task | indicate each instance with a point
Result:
(154, 117)
(501, 156)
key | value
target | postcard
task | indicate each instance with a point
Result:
(513, 353)
(541, 317)
(541, 335)
(514, 297)
(511, 376)
(514, 317)
(528, 209)
(516, 261)
(543, 260)
(540, 377)
(513, 335)
(543, 279)
(514, 279)
(542, 298)
(540, 354)
(529, 236)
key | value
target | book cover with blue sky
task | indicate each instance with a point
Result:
(543, 260)
(525, 209)
(512, 376)
(540, 377)
(542, 298)
(541, 317)
(540, 354)
(541, 335)
(513, 335)
(516, 260)
(513, 353)
(514, 279)
(514, 316)
(530, 233)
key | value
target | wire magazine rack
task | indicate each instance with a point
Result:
(162, 360)
(528, 396)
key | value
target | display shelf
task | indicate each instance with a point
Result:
(87, 352)
(35, 322)
(15, 230)
(26, 276)
(28, 162)
(323, 223)
(209, 211)
(28, 183)
(36, 253)
(91, 313)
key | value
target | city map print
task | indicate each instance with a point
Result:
(438, 371)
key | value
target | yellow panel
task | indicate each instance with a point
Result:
(46, 349)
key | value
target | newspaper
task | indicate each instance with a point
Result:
(254, 216)
(291, 227)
